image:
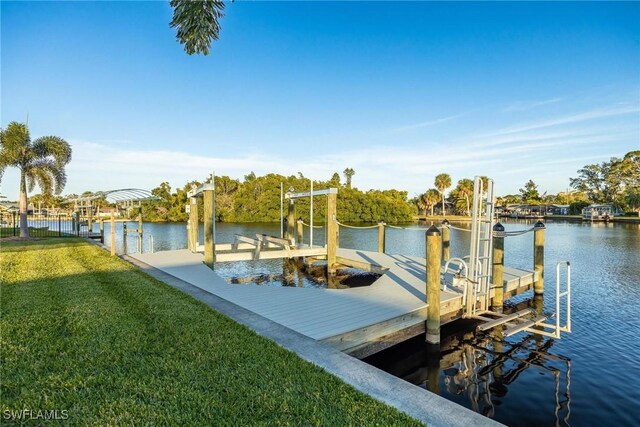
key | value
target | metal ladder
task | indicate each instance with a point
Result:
(528, 320)
(480, 254)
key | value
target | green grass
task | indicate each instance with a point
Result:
(87, 333)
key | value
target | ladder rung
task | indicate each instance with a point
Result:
(505, 319)
(524, 325)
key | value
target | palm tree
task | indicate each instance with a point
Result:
(465, 189)
(196, 23)
(420, 204)
(40, 162)
(430, 198)
(348, 173)
(442, 182)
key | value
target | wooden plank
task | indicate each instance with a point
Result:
(355, 338)
(248, 256)
(277, 241)
(221, 247)
(309, 193)
(249, 240)
(361, 265)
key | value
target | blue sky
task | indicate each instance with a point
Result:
(398, 91)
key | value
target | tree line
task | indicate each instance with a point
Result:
(257, 199)
(616, 181)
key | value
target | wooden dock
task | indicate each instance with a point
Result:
(359, 321)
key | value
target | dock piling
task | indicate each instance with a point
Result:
(434, 263)
(497, 273)
(446, 241)
(113, 232)
(332, 233)
(193, 224)
(140, 234)
(209, 242)
(538, 257)
(300, 233)
(291, 219)
(381, 236)
(101, 230)
(90, 219)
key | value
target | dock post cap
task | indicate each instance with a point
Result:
(445, 221)
(433, 231)
(381, 221)
(498, 227)
(539, 225)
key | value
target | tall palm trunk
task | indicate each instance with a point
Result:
(24, 227)
(444, 212)
(434, 205)
(466, 196)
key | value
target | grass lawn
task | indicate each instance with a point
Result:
(87, 333)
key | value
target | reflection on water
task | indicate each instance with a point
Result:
(478, 370)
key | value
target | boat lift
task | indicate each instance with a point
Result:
(474, 274)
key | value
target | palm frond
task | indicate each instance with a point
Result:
(48, 175)
(52, 146)
(196, 23)
(15, 142)
(31, 180)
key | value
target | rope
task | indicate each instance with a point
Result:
(459, 229)
(357, 228)
(421, 229)
(315, 226)
(499, 233)
(407, 228)
(512, 233)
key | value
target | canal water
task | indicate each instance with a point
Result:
(588, 377)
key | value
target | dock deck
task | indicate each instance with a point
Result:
(347, 319)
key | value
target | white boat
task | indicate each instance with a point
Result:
(599, 213)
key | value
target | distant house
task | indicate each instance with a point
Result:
(514, 210)
(558, 210)
(10, 207)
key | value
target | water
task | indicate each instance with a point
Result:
(589, 377)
